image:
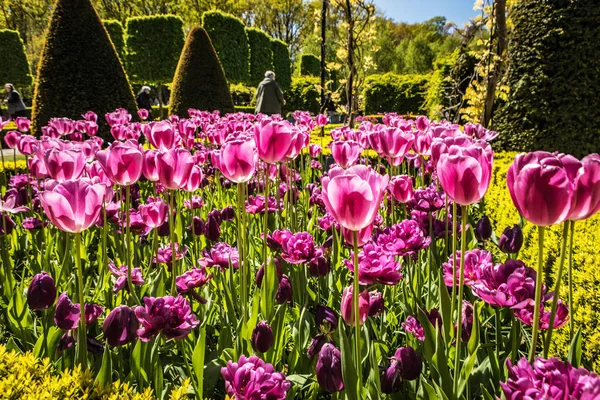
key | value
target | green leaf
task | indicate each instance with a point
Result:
(574, 356)
(198, 360)
(348, 370)
(445, 308)
(104, 376)
(474, 339)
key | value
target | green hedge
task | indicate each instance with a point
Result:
(554, 78)
(404, 94)
(199, 81)
(282, 65)
(310, 65)
(117, 36)
(242, 95)
(154, 44)
(79, 69)
(229, 38)
(303, 94)
(261, 55)
(14, 67)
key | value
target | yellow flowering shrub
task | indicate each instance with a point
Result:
(586, 258)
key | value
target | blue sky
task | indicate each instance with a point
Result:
(459, 11)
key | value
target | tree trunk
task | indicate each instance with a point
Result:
(324, 7)
(493, 77)
(350, 80)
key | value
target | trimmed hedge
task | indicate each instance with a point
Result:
(282, 65)
(310, 65)
(228, 36)
(199, 80)
(554, 78)
(14, 67)
(154, 44)
(117, 36)
(404, 94)
(79, 69)
(261, 55)
(303, 94)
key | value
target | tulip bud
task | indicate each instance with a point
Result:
(284, 291)
(376, 304)
(212, 229)
(315, 345)
(325, 315)
(483, 229)
(164, 229)
(409, 363)
(42, 292)
(228, 213)
(511, 240)
(347, 306)
(120, 326)
(262, 337)
(197, 226)
(329, 369)
(401, 188)
(390, 379)
(66, 314)
(319, 267)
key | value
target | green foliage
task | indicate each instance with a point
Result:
(14, 67)
(154, 45)
(310, 65)
(261, 55)
(117, 36)
(554, 79)
(79, 69)
(282, 65)
(404, 94)
(303, 94)
(419, 56)
(242, 95)
(199, 81)
(229, 38)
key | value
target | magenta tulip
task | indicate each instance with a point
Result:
(73, 206)
(401, 188)
(465, 172)
(27, 145)
(174, 167)
(64, 165)
(12, 139)
(143, 114)
(23, 124)
(122, 162)
(154, 213)
(273, 140)
(149, 165)
(347, 309)
(394, 143)
(540, 188)
(237, 159)
(161, 135)
(194, 179)
(586, 193)
(345, 153)
(353, 196)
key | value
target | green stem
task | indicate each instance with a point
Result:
(127, 240)
(454, 234)
(571, 309)
(266, 224)
(461, 283)
(241, 250)
(355, 306)
(559, 274)
(539, 281)
(81, 334)
(172, 238)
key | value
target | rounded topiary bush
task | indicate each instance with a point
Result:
(14, 67)
(404, 94)
(261, 55)
(79, 69)
(281, 63)
(199, 80)
(229, 38)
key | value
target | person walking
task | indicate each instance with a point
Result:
(14, 103)
(143, 100)
(269, 97)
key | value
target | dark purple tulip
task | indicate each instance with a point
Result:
(92, 312)
(315, 345)
(6, 222)
(212, 228)
(66, 314)
(390, 379)
(227, 214)
(284, 291)
(376, 304)
(216, 214)
(120, 326)
(511, 240)
(262, 337)
(409, 363)
(329, 369)
(42, 292)
(319, 267)
(164, 229)
(197, 226)
(483, 229)
(261, 272)
(326, 317)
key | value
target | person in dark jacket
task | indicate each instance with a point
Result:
(329, 106)
(143, 100)
(269, 97)
(15, 105)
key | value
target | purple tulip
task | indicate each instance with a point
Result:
(315, 345)
(299, 248)
(262, 337)
(221, 255)
(66, 314)
(42, 292)
(506, 285)
(483, 229)
(284, 291)
(404, 238)
(375, 266)
(120, 326)
(511, 240)
(252, 378)
(326, 318)
(329, 369)
(171, 316)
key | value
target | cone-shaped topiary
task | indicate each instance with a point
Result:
(14, 67)
(199, 82)
(117, 36)
(261, 55)
(79, 69)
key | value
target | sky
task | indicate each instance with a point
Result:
(459, 11)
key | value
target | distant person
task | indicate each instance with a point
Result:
(15, 105)
(144, 101)
(329, 106)
(269, 97)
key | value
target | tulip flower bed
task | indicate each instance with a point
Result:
(220, 257)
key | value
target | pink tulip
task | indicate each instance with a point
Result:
(149, 167)
(273, 140)
(12, 139)
(440, 146)
(314, 150)
(27, 145)
(194, 180)
(154, 213)
(90, 116)
(37, 167)
(73, 206)
(586, 193)
(347, 310)
(62, 126)
(300, 141)
(64, 165)
(394, 143)
(363, 236)
(465, 172)
(143, 114)
(161, 135)
(401, 188)
(353, 196)
(345, 153)
(119, 132)
(322, 119)
(237, 159)
(122, 162)
(90, 128)
(540, 188)
(174, 167)
(118, 117)
(23, 124)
